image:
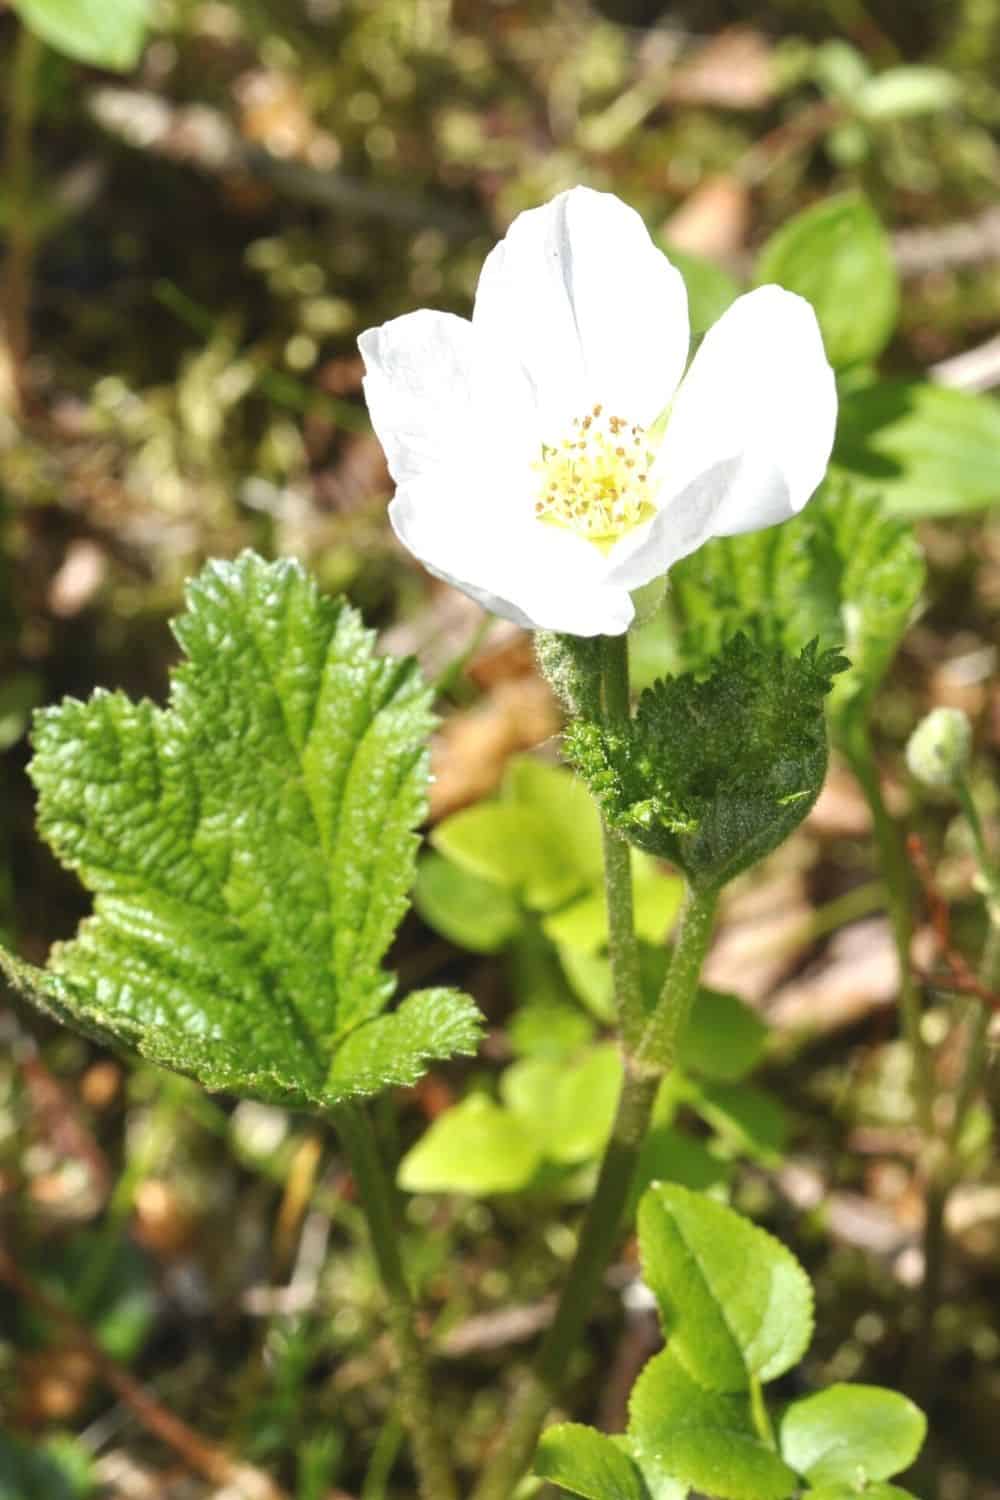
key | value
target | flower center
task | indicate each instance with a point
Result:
(596, 481)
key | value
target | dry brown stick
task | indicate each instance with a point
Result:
(204, 1457)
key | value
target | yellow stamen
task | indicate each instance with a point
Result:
(590, 487)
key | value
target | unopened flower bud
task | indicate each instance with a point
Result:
(938, 749)
(572, 667)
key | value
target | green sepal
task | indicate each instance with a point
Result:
(250, 849)
(717, 767)
(571, 664)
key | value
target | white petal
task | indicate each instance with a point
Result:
(580, 297)
(539, 578)
(419, 388)
(760, 390)
(680, 526)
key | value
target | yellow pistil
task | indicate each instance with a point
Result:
(596, 482)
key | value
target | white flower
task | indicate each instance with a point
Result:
(528, 469)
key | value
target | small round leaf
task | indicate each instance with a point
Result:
(850, 1432)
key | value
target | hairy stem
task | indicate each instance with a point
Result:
(598, 1238)
(434, 1472)
(602, 1223)
(899, 899)
(658, 1046)
(947, 1163)
(623, 946)
(945, 1170)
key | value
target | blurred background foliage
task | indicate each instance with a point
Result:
(198, 217)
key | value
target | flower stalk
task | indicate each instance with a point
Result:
(658, 1047)
(623, 946)
(899, 899)
(946, 1161)
(642, 1078)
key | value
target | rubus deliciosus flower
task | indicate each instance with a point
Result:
(549, 458)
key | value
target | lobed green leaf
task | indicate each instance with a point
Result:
(718, 766)
(844, 572)
(250, 848)
(929, 450)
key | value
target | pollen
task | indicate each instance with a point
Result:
(596, 481)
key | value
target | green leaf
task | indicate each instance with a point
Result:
(736, 1305)
(670, 1155)
(19, 695)
(681, 1431)
(657, 897)
(872, 569)
(540, 839)
(587, 1463)
(250, 848)
(844, 572)
(470, 912)
(106, 33)
(566, 807)
(477, 1147)
(589, 977)
(723, 1038)
(850, 1433)
(838, 256)
(929, 450)
(513, 847)
(900, 93)
(765, 578)
(749, 1116)
(710, 289)
(852, 1492)
(715, 770)
(548, 1028)
(840, 69)
(568, 1111)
